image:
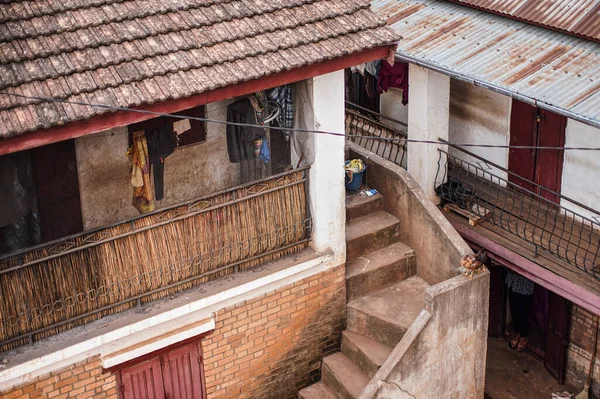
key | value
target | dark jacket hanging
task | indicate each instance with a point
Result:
(160, 146)
(239, 138)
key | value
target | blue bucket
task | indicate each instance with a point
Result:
(355, 183)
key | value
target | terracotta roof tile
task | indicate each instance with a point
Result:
(131, 52)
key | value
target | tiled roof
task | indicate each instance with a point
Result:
(131, 52)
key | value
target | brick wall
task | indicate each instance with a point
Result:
(272, 346)
(581, 341)
(267, 347)
(83, 380)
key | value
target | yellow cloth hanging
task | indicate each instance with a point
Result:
(143, 192)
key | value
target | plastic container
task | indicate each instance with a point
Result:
(356, 181)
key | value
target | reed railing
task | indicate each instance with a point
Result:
(367, 129)
(547, 224)
(70, 282)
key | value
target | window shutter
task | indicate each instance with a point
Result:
(143, 381)
(183, 372)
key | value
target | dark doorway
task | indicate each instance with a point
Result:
(57, 186)
(531, 126)
(362, 90)
(548, 321)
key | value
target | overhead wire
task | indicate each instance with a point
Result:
(283, 129)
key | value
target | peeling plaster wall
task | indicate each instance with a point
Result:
(580, 178)
(481, 116)
(447, 359)
(190, 172)
(391, 105)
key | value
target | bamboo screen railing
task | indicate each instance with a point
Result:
(57, 286)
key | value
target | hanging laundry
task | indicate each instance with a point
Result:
(264, 155)
(373, 68)
(240, 138)
(160, 146)
(360, 68)
(394, 76)
(143, 199)
(283, 96)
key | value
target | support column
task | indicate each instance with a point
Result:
(428, 116)
(327, 191)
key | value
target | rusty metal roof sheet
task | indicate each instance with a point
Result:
(127, 53)
(558, 71)
(577, 17)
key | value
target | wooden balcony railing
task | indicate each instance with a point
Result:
(70, 282)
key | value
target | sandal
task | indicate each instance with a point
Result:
(522, 345)
(514, 341)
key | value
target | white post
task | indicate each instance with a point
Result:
(428, 116)
(327, 192)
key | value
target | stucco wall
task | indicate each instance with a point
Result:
(190, 172)
(447, 357)
(391, 105)
(580, 168)
(423, 227)
(480, 116)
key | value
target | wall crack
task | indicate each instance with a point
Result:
(399, 387)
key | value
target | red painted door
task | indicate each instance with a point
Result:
(183, 372)
(556, 337)
(530, 126)
(173, 373)
(143, 381)
(523, 132)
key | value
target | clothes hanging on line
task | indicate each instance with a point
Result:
(240, 139)
(264, 155)
(283, 96)
(394, 76)
(143, 198)
(161, 144)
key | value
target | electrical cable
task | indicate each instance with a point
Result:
(222, 122)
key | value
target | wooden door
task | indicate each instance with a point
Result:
(143, 381)
(55, 175)
(497, 307)
(523, 132)
(556, 337)
(549, 163)
(530, 126)
(183, 372)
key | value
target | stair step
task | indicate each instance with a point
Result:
(317, 391)
(385, 315)
(365, 352)
(379, 269)
(343, 377)
(369, 233)
(361, 205)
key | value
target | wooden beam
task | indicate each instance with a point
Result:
(123, 118)
(534, 272)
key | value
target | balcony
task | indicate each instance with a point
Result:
(540, 225)
(73, 281)
(377, 133)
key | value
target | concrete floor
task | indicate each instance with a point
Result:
(514, 375)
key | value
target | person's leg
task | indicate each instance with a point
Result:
(514, 312)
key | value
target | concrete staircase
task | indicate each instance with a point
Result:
(384, 298)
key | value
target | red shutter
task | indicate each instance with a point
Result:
(183, 372)
(143, 381)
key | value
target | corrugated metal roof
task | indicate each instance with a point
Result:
(558, 71)
(578, 17)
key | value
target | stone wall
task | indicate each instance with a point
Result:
(267, 347)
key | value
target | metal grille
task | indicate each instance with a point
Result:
(368, 126)
(529, 215)
(60, 285)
